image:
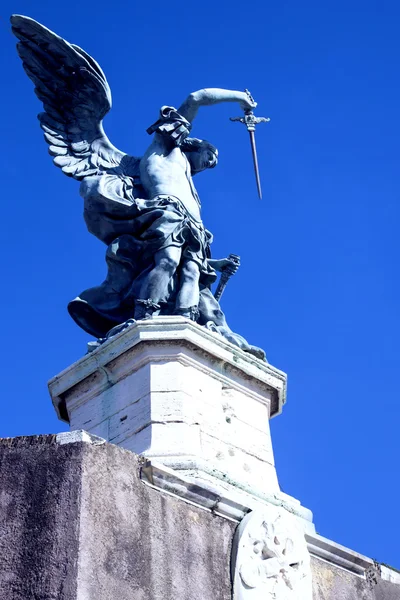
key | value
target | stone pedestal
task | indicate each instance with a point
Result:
(180, 395)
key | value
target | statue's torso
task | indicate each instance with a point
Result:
(167, 172)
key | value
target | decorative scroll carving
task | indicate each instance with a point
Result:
(270, 560)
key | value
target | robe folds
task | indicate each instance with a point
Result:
(134, 229)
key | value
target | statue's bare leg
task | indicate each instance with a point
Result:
(155, 287)
(187, 300)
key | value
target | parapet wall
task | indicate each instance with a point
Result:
(77, 522)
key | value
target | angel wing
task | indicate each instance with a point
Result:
(76, 97)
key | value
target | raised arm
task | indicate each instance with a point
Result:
(209, 96)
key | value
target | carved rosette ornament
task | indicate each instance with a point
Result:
(270, 559)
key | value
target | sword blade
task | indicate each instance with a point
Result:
(255, 161)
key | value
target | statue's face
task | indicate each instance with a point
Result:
(202, 159)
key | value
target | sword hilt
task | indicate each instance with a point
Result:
(225, 276)
(250, 120)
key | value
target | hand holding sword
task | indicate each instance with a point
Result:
(250, 120)
(228, 267)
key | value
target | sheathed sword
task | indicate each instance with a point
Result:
(225, 276)
(250, 120)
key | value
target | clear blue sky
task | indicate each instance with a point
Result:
(319, 283)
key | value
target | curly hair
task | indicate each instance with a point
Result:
(195, 145)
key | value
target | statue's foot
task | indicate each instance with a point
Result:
(117, 329)
(145, 309)
(192, 312)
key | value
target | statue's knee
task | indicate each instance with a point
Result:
(168, 264)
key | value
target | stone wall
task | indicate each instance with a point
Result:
(78, 523)
(39, 518)
(333, 583)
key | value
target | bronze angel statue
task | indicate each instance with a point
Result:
(145, 209)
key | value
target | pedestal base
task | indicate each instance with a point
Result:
(177, 393)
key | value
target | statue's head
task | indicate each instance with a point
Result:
(201, 154)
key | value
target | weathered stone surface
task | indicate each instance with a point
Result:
(138, 544)
(386, 590)
(40, 488)
(78, 523)
(333, 583)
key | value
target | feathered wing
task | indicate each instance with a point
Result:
(76, 97)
